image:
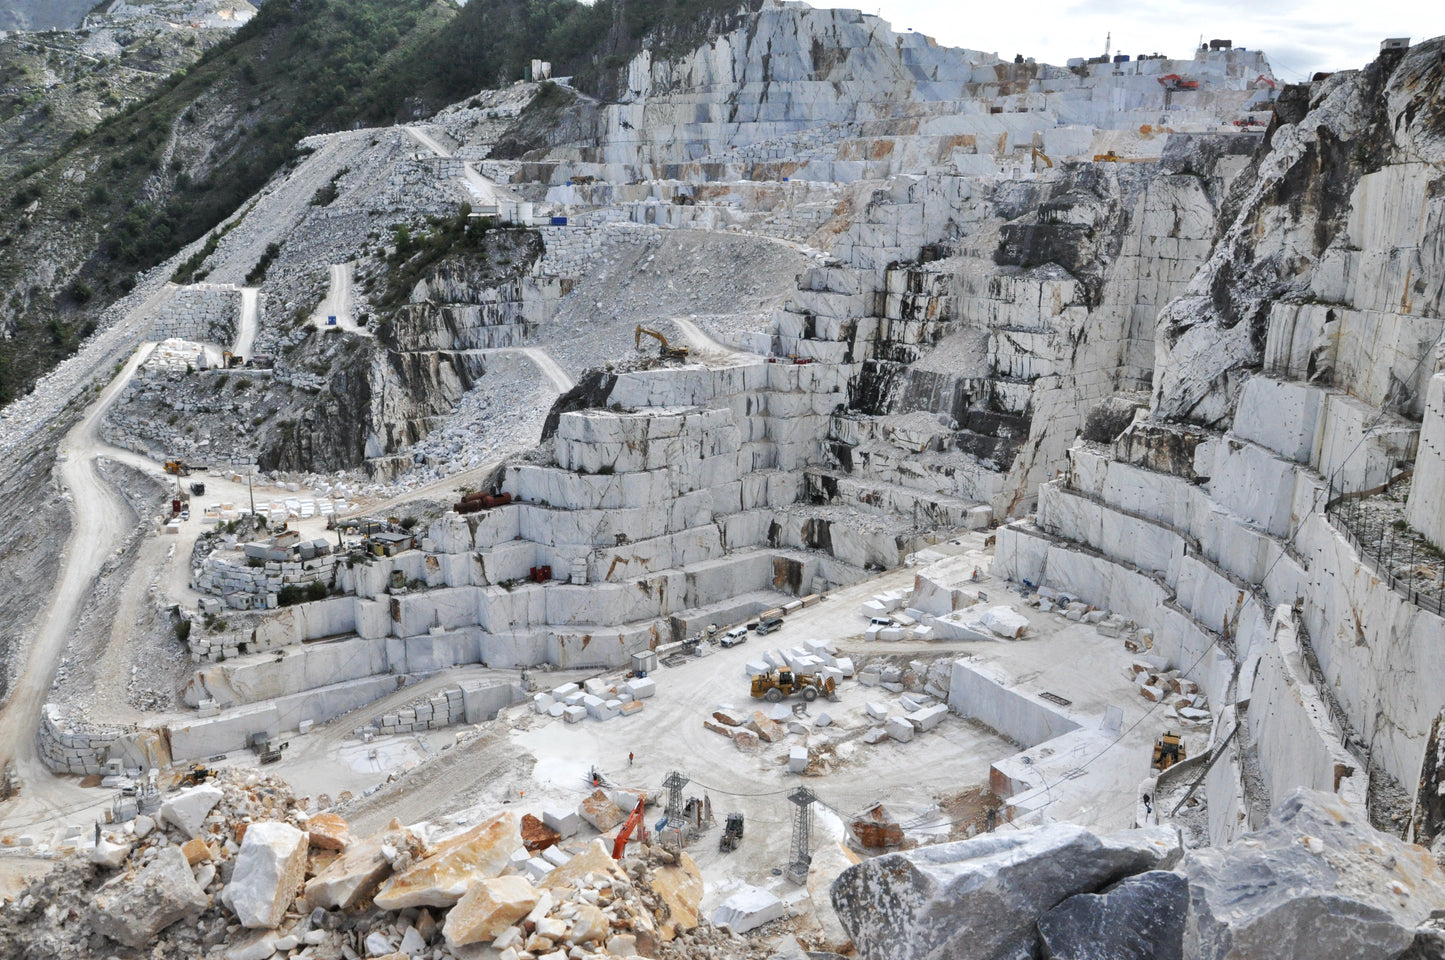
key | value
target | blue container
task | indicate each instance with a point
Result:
(559, 221)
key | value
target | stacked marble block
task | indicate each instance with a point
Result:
(676, 500)
(757, 103)
(203, 312)
(480, 317)
(433, 713)
(595, 698)
(67, 749)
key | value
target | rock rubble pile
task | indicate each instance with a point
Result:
(239, 869)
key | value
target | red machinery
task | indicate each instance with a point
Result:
(1173, 81)
(477, 502)
(634, 821)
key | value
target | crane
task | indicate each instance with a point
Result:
(668, 352)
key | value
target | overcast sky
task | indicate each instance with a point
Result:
(1298, 37)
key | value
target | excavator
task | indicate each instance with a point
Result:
(1040, 155)
(178, 468)
(1112, 157)
(1173, 81)
(231, 360)
(634, 820)
(668, 351)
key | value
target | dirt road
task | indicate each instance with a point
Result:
(246, 332)
(338, 303)
(705, 347)
(549, 368)
(101, 519)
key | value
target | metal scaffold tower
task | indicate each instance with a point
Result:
(674, 784)
(800, 857)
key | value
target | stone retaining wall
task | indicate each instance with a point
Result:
(206, 312)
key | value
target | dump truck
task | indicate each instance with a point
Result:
(774, 686)
(732, 833)
(667, 351)
(1168, 750)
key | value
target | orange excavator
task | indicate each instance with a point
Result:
(634, 821)
(1173, 81)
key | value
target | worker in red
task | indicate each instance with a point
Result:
(629, 759)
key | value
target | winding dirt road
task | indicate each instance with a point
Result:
(100, 521)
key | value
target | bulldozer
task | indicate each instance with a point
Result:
(774, 686)
(667, 352)
(178, 467)
(197, 775)
(1168, 750)
(732, 834)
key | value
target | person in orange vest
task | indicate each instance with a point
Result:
(629, 759)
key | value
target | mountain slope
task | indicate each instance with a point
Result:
(160, 174)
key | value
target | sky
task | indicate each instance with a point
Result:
(1299, 38)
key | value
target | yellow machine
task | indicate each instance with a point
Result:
(231, 360)
(199, 773)
(773, 687)
(1168, 750)
(1040, 155)
(1112, 157)
(178, 468)
(668, 352)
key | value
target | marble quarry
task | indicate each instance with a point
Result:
(1181, 347)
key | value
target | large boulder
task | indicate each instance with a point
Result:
(188, 809)
(488, 908)
(356, 874)
(1316, 882)
(442, 878)
(599, 810)
(328, 832)
(680, 889)
(132, 911)
(1139, 918)
(269, 871)
(596, 859)
(979, 899)
(750, 907)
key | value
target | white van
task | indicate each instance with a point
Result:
(734, 637)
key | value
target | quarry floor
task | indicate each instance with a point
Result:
(530, 761)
